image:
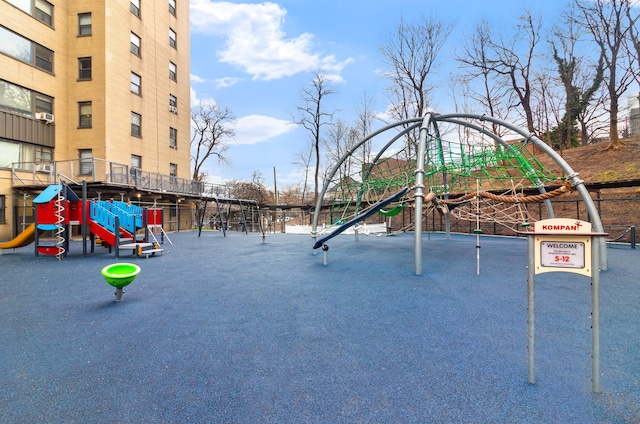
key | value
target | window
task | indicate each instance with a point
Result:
(23, 155)
(172, 39)
(44, 58)
(173, 104)
(136, 124)
(86, 161)
(43, 154)
(173, 172)
(22, 101)
(136, 165)
(16, 46)
(3, 206)
(173, 71)
(24, 5)
(43, 12)
(44, 103)
(16, 99)
(172, 7)
(84, 68)
(136, 161)
(136, 81)
(135, 7)
(85, 114)
(84, 24)
(27, 51)
(173, 138)
(135, 44)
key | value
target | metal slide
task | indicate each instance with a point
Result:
(375, 208)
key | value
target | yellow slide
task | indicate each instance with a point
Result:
(24, 238)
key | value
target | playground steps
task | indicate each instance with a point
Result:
(142, 249)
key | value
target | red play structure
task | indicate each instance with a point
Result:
(115, 224)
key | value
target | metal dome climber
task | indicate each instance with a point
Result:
(473, 163)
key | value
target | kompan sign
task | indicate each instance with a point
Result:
(563, 245)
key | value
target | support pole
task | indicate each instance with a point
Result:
(595, 316)
(201, 223)
(116, 232)
(222, 224)
(531, 315)
(419, 194)
(477, 230)
(83, 219)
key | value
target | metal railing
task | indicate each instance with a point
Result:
(101, 171)
(629, 125)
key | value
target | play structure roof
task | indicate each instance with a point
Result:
(52, 191)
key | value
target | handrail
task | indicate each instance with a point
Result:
(133, 210)
(102, 171)
(127, 220)
(102, 217)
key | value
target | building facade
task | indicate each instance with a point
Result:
(92, 90)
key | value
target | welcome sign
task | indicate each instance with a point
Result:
(562, 245)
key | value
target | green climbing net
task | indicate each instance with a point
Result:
(451, 168)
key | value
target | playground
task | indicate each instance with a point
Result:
(236, 329)
(412, 324)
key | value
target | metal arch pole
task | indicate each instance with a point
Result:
(331, 174)
(419, 194)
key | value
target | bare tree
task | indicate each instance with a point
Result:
(580, 79)
(250, 190)
(548, 106)
(313, 117)
(410, 54)
(362, 126)
(487, 88)
(304, 161)
(290, 195)
(515, 60)
(634, 51)
(606, 22)
(340, 139)
(212, 126)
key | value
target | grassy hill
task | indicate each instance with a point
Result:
(595, 163)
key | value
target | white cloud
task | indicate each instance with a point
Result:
(253, 129)
(196, 101)
(193, 98)
(256, 42)
(226, 82)
(196, 78)
(215, 179)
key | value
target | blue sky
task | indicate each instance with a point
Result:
(256, 57)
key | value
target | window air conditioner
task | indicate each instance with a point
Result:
(44, 116)
(173, 109)
(44, 167)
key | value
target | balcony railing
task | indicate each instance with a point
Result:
(100, 171)
(629, 126)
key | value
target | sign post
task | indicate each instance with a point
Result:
(564, 245)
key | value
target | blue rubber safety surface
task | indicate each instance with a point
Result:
(234, 330)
